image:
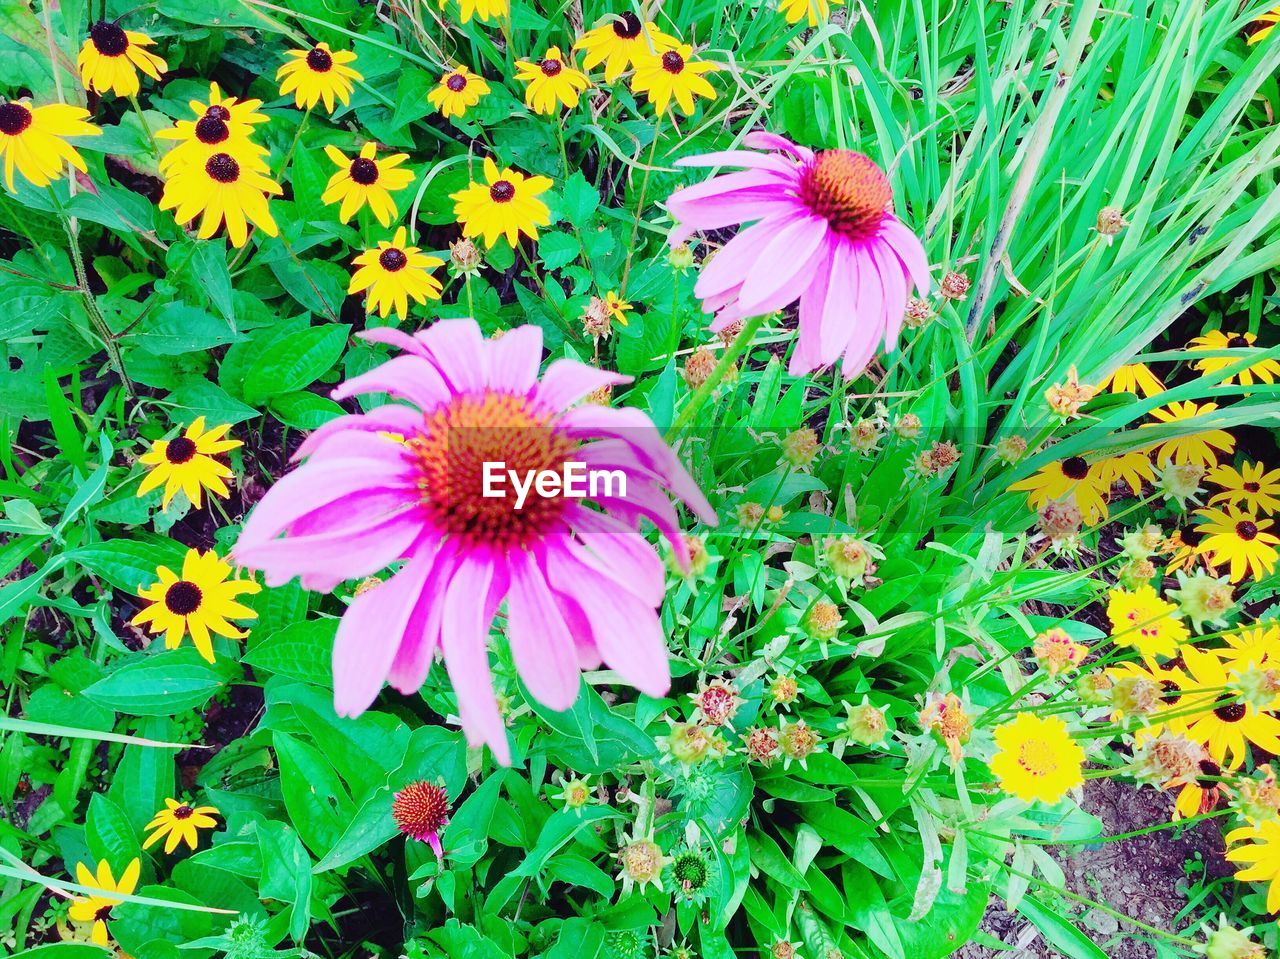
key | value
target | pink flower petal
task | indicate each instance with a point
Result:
(909, 250)
(791, 263)
(389, 418)
(894, 305)
(407, 377)
(422, 637)
(869, 312)
(324, 561)
(457, 348)
(763, 140)
(392, 337)
(741, 158)
(738, 258)
(567, 381)
(621, 551)
(464, 636)
(514, 360)
(541, 643)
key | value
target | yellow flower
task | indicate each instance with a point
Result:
(1251, 484)
(1133, 469)
(1072, 476)
(616, 307)
(1134, 378)
(1264, 371)
(96, 908)
(394, 272)
(484, 9)
(551, 82)
(225, 191)
(187, 463)
(34, 140)
(1219, 718)
(111, 57)
(366, 180)
(1260, 857)
(1201, 448)
(458, 90)
(620, 42)
(1057, 652)
(1037, 759)
(318, 74)
(199, 602)
(1270, 18)
(1257, 647)
(180, 823)
(817, 11)
(672, 74)
(1237, 538)
(223, 125)
(1142, 619)
(508, 206)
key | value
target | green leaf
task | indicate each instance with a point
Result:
(304, 410)
(109, 832)
(1058, 931)
(175, 328)
(159, 685)
(578, 200)
(295, 361)
(199, 397)
(129, 564)
(558, 249)
(303, 651)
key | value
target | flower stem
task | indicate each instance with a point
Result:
(293, 144)
(146, 127)
(704, 392)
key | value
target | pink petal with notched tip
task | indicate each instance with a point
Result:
(567, 381)
(392, 336)
(729, 184)
(407, 377)
(464, 636)
(541, 643)
(514, 359)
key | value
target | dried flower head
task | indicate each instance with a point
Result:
(865, 436)
(1168, 759)
(1142, 541)
(761, 745)
(1060, 521)
(1110, 221)
(691, 743)
(908, 426)
(784, 690)
(464, 258)
(1094, 689)
(1065, 399)
(680, 257)
(750, 514)
(717, 702)
(642, 863)
(798, 741)
(597, 321)
(698, 367)
(945, 717)
(919, 312)
(800, 447)
(954, 286)
(851, 558)
(865, 724)
(1180, 483)
(822, 620)
(1203, 599)
(1011, 449)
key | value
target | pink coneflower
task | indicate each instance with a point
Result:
(825, 233)
(406, 482)
(420, 811)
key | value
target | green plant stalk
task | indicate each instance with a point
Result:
(704, 392)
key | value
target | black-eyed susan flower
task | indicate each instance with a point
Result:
(199, 602)
(96, 907)
(222, 125)
(1239, 540)
(1256, 850)
(1037, 759)
(179, 822)
(1251, 484)
(617, 308)
(366, 181)
(1212, 714)
(34, 140)
(318, 74)
(1266, 370)
(188, 463)
(673, 73)
(1200, 448)
(1266, 22)
(506, 204)
(111, 57)
(620, 41)
(815, 12)
(1133, 469)
(458, 91)
(1135, 378)
(394, 272)
(1141, 619)
(484, 9)
(221, 190)
(550, 82)
(421, 811)
(1071, 477)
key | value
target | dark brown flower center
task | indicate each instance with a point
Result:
(1209, 768)
(1075, 467)
(502, 192)
(1238, 340)
(218, 112)
(848, 190)
(392, 259)
(1190, 536)
(321, 61)
(1246, 530)
(364, 171)
(103, 914)
(212, 130)
(223, 168)
(108, 38)
(627, 26)
(672, 62)
(551, 67)
(179, 450)
(183, 598)
(1251, 487)
(14, 118)
(457, 82)
(183, 812)
(1230, 712)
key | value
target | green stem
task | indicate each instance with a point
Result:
(704, 392)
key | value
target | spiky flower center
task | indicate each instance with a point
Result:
(798, 741)
(1246, 530)
(1037, 757)
(183, 598)
(319, 60)
(627, 26)
(457, 82)
(691, 871)
(14, 118)
(718, 704)
(183, 812)
(1231, 712)
(848, 190)
(503, 191)
(1251, 487)
(392, 260)
(222, 168)
(217, 111)
(1075, 468)
(672, 62)
(459, 438)
(210, 129)
(551, 67)
(108, 38)
(179, 450)
(103, 914)
(364, 171)
(420, 809)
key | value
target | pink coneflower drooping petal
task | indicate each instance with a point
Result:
(404, 483)
(420, 811)
(822, 231)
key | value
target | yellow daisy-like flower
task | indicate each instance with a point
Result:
(1259, 857)
(1218, 718)
(187, 463)
(1070, 477)
(817, 11)
(366, 181)
(617, 308)
(1251, 484)
(96, 907)
(484, 9)
(200, 602)
(1269, 20)
(223, 125)
(1257, 647)
(508, 205)
(620, 42)
(673, 74)
(1133, 469)
(394, 272)
(180, 823)
(1202, 448)
(1142, 619)
(318, 74)
(221, 190)
(1264, 371)
(1037, 758)
(111, 57)
(1237, 538)
(34, 140)
(551, 82)
(457, 92)
(1133, 378)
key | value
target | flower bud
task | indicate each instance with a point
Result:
(680, 257)
(1057, 652)
(464, 258)
(698, 367)
(1110, 221)
(800, 447)
(1203, 599)
(908, 426)
(1010, 449)
(954, 286)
